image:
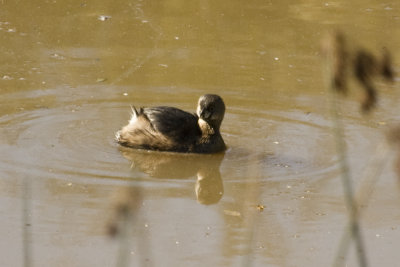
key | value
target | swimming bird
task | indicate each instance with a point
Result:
(171, 129)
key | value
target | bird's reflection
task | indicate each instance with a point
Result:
(209, 187)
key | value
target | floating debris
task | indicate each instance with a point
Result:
(57, 56)
(232, 213)
(6, 77)
(100, 80)
(260, 207)
(103, 17)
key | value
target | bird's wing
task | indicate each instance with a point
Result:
(174, 123)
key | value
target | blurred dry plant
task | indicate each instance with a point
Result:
(362, 66)
(365, 68)
(394, 139)
(126, 205)
(26, 221)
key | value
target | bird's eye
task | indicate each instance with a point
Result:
(211, 109)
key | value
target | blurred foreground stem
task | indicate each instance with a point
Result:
(124, 241)
(336, 79)
(371, 174)
(26, 223)
(353, 225)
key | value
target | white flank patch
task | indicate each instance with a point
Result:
(133, 117)
(117, 135)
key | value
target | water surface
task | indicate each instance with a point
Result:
(69, 73)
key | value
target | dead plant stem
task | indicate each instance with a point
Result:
(341, 149)
(26, 222)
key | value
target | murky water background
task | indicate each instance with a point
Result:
(70, 71)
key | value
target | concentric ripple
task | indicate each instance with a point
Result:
(75, 138)
(63, 142)
(279, 145)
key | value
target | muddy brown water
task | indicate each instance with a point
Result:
(69, 73)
